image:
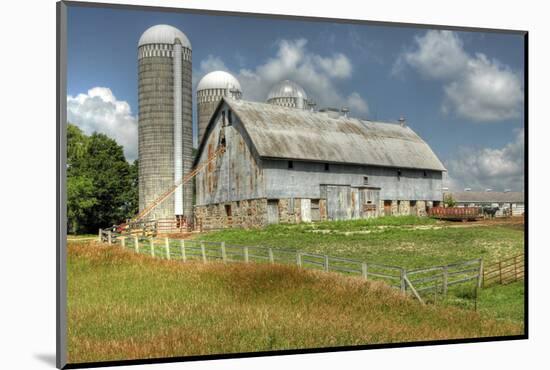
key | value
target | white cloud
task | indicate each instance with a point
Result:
(99, 111)
(212, 63)
(317, 74)
(337, 66)
(488, 91)
(498, 169)
(438, 55)
(475, 87)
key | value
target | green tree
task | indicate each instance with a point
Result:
(80, 199)
(103, 184)
(449, 201)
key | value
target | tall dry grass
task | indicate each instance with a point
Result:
(127, 306)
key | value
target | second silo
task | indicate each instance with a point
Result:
(211, 88)
(288, 94)
(165, 120)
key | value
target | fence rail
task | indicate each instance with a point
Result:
(435, 279)
(504, 272)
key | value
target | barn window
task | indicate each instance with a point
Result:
(326, 167)
(365, 180)
(223, 118)
(290, 164)
(398, 174)
(229, 117)
(425, 173)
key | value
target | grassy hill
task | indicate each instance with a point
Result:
(122, 306)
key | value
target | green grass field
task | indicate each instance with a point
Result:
(410, 242)
(123, 305)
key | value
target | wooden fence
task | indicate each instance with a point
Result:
(418, 282)
(505, 271)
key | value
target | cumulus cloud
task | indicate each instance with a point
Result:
(488, 91)
(98, 110)
(495, 168)
(438, 55)
(317, 74)
(212, 63)
(475, 87)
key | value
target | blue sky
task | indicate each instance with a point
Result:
(462, 92)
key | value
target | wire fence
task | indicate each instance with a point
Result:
(421, 283)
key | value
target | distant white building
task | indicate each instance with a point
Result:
(509, 202)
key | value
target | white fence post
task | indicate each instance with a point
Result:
(365, 270)
(183, 257)
(100, 236)
(167, 246)
(224, 255)
(326, 264)
(480, 274)
(271, 259)
(403, 287)
(136, 243)
(152, 243)
(203, 252)
(299, 259)
(109, 237)
(123, 241)
(445, 280)
(246, 254)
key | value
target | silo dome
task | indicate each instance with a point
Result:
(288, 94)
(163, 34)
(218, 80)
(287, 89)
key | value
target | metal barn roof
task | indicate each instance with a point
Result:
(487, 196)
(295, 134)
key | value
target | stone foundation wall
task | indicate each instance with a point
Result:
(248, 214)
(252, 213)
(404, 208)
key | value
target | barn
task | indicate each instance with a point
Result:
(288, 165)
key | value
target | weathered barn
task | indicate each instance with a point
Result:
(292, 165)
(510, 203)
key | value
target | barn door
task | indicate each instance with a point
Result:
(355, 204)
(370, 203)
(387, 208)
(272, 212)
(305, 210)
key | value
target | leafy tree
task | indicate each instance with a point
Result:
(449, 201)
(80, 200)
(102, 184)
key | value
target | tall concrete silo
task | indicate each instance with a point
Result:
(165, 120)
(211, 88)
(288, 94)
